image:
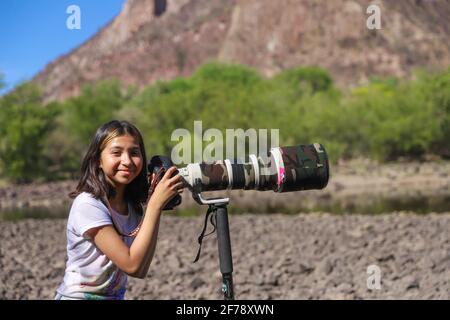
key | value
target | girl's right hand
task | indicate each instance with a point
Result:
(166, 189)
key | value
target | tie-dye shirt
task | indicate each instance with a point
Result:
(89, 272)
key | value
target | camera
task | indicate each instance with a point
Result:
(283, 169)
(159, 165)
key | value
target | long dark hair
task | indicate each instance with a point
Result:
(93, 179)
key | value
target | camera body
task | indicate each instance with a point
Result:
(159, 165)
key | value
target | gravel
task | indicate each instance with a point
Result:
(302, 256)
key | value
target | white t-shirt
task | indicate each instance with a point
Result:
(89, 272)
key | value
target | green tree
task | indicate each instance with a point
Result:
(24, 125)
(395, 119)
(438, 97)
(95, 106)
(305, 80)
(2, 83)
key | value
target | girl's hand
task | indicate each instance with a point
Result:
(166, 189)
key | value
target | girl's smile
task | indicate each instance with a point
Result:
(126, 173)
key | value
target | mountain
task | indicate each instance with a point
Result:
(154, 40)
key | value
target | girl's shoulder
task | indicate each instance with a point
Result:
(87, 212)
(88, 198)
(85, 196)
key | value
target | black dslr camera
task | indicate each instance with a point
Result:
(159, 165)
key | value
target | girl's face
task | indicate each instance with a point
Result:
(121, 160)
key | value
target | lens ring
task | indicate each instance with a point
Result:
(279, 165)
(255, 165)
(230, 173)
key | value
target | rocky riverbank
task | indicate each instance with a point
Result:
(313, 256)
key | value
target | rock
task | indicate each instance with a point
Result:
(197, 283)
(325, 267)
(413, 285)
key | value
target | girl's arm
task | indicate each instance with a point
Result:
(130, 260)
(148, 257)
(136, 259)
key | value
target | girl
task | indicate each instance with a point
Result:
(108, 237)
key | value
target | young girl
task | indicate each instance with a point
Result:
(108, 237)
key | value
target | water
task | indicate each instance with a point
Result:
(420, 204)
(34, 213)
(377, 205)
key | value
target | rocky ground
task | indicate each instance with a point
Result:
(313, 256)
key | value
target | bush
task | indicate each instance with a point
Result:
(396, 119)
(24, 126)
(95, 106)
(438, 97)
(306, 79)
(2, 83)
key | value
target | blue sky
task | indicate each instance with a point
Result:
(33, 33)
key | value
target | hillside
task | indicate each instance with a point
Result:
(139, 47)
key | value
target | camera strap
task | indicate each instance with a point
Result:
(202, 235)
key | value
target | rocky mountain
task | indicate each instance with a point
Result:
(161, 39)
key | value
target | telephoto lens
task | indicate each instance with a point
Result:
(285, 169)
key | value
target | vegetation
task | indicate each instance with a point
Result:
(24, 127)
(385, 119)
